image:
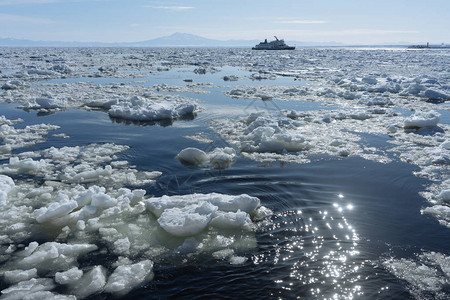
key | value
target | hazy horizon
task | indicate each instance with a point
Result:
(180, 36)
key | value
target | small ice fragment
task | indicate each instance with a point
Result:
(25, 288)
(192, 156)
(15, 276)
(187, 221)
(122, 246)
(369, 80)
(444, 196)
(232, 220)
(56, 210)
(69, 276)
(126, 277)
(433, 94)
(238, 260)
(221, 158)
(392, 129)
(90, 283)
(422, 119)
(49, 103)
(223, 254)
(103, 201)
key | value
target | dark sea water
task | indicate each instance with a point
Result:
(335, 219)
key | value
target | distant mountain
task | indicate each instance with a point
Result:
(175, 40)
(179, 40)
(189, 40)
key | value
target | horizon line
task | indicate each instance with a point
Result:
(311, 43)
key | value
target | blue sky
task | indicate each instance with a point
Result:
(347, 21)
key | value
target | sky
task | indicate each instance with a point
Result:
(345, 21)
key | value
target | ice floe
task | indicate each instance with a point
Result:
(219, 158)
(197, 88)
(294, 136)
(152, 109)
(13, 138)
(126, 277)
(132, 226)
(423, 119)
(82, 200)
(426, 274)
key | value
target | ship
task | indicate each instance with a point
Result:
(428, 46)
(273, 45)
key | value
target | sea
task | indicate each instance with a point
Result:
(341, 227)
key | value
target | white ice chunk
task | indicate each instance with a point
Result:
(55, 210)
(122, 246)
(238, 260)
(369, 80)
(25, 166)
(91, 283)
(50, 254)
(6, 185)
(46, 295)
(12, 85)
(15, 276)
(242, 202)
(433, 94)
(144, 109)
(446, 145)
(192, 156)
(103, 103)
(26, 288)
(69, 276)
(34, 71)
(377, 100)
(444, 196)
(29, 249)
(61, 69)
(419, 275)
(103, 201)
(187, 221)
(232, 220)
(223, 254)
(221, 158)
(422, 119)
(190, 245)
(126, 277)
(92, 175)
(49, 103)
(440, 211)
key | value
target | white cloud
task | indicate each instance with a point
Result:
(173, 8)
(366, 32)
(301, 22)
(7, 18)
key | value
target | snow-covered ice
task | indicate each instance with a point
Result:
(426, 274)
(219, 158)
(126, 277)
(152, 108)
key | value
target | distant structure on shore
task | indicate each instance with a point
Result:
(273, 45)
(428, 46)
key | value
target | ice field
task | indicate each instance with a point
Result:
(193, 173)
